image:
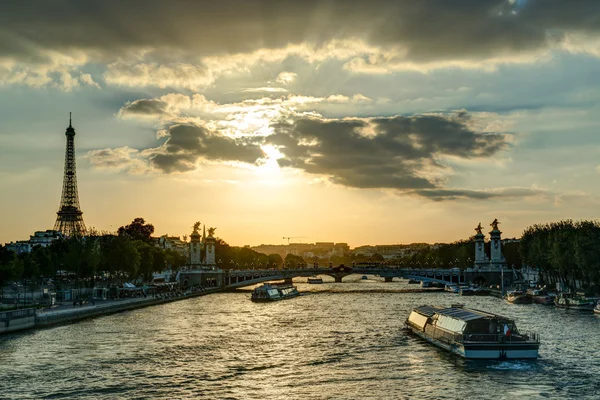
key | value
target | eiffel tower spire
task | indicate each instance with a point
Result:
(69, 218)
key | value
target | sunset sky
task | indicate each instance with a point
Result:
(372, 122)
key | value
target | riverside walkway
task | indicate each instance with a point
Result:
(66, 313)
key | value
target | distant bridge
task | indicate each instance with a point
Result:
(240, 278)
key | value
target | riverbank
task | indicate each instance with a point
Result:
(65, 314)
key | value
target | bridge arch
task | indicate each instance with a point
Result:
(480, 280)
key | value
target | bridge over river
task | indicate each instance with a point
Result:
(488, 276)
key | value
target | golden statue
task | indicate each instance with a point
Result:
(494, 224)
(478, 229)
(196, 226)
(211, 231)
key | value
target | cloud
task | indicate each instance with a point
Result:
(173, 105)
(185, 146)
(191, 44)
(122, 158)
(265, 90)
(175, 75)
(403, 153)
(456, 194)
(285, 78)
(144, 108)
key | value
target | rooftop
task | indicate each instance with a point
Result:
(463, 314)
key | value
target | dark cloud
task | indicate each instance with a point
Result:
(426, 29)
(456, 194)
(144, 107)
(395, 152)
(187, 143)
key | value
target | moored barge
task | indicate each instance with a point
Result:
(472, 334)
(574, 301)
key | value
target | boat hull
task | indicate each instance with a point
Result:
(485, 351)
(581, 307)
(545, 300)
(519, 300)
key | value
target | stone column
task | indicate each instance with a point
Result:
(480, 257)
(496, 258)
(195, 248)
(210, 251)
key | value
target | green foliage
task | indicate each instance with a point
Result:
(275, 260)
(174, 259)
(8, 269)
(564, 250)
(292, 260)
(138, 229)
(146, 266)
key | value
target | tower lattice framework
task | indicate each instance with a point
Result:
(69, 218)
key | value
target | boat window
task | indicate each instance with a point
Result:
(417, 319)
(451, 324)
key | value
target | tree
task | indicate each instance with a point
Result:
(174, 259)
(293, 260)
(159, 259)
(8, 272)
(138, 229)
(146, 259)
(274, 260)
(120, 257)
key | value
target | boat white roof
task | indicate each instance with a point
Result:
(463, 314)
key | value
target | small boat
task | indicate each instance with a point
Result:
(426, 284)
(574, 301)
(314, 280)
(597, 308)
(541, 296)
(274, 292)
(472, 334)
(413, 282)
(481, 291)
(518, 297)
(452, 289)
(466, 291)
(364, 278)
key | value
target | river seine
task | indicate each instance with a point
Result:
(337, 341)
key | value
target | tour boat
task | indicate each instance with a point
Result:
(413, 281)
(471, 333)
(481, 291)
(426, 284)
(573, 301)
(466, 291)
(314, 279)
(274, 292)
(597, 308)
(452, 289)
(517, 297)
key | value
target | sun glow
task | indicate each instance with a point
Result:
(269, 168)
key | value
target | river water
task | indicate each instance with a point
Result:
(337, 341)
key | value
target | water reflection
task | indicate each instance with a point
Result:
(342, 341)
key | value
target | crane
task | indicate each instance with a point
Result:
(292, 237)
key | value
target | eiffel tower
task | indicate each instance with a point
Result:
(69, 218)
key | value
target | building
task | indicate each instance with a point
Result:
(39, 238)
(167, 242)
